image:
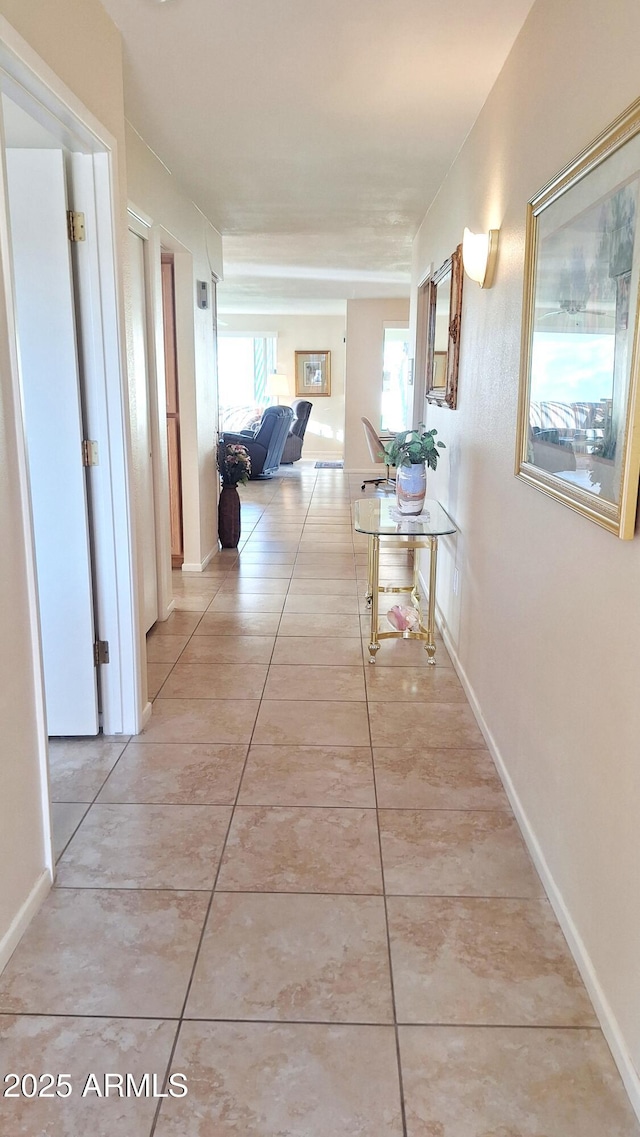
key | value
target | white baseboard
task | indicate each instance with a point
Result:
(608, 1022)
(23, 917)
(201, 565)
(166, 612)
(318, 456)
(146, 715)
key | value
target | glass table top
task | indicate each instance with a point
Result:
(380, 515)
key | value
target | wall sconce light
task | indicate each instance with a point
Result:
(479, 254)
(278, 386)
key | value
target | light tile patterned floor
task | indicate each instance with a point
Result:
(277, 890)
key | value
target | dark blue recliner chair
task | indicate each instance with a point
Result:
(266, 443)
(293, 446)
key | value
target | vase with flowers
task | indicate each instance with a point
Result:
(411, 451)
(234, 465)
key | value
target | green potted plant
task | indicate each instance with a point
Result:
(234, 465)
(411, 451)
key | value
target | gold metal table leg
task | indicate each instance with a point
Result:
(374, 582)
(369, 592)
(415, 591)
(430, 646)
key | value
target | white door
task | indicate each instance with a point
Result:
(53, 424)
(142, 451)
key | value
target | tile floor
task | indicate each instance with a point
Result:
(330, 928)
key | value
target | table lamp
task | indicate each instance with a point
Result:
(278, 387)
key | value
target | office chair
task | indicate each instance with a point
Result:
(376, 450)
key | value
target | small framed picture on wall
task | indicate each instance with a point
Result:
(313, 374)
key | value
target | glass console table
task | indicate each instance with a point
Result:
(378, 518)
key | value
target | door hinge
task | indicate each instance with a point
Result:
(90, 453)
(75, 225)
(100, 652)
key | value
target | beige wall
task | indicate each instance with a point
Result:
(82, 46)
(546, 625)
(22, 826)
(76, 39)
(198, 250)
(324, 437)
(366, 321)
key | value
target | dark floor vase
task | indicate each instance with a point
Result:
(229, 517)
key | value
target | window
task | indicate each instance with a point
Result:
(244, 362)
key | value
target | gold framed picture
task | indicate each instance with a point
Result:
(579, 419)
(313, 374)
(444, 316)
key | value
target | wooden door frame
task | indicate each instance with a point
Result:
(167, 259)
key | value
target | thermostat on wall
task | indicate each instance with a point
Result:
(203, 294)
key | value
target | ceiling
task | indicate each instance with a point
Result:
(313, 133)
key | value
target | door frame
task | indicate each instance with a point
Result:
(398, 325)
(28, 81)
(159, 239)
(183, 286)
(142, 225)
(167, 260)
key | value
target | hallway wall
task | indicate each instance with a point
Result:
(22, 826)
(365, 341)
(324, 436)
(78, 41)
(546, 625)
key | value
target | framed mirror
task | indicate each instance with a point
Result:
(579, 423)
(444, 313)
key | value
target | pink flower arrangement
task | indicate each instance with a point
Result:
(234, 464)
